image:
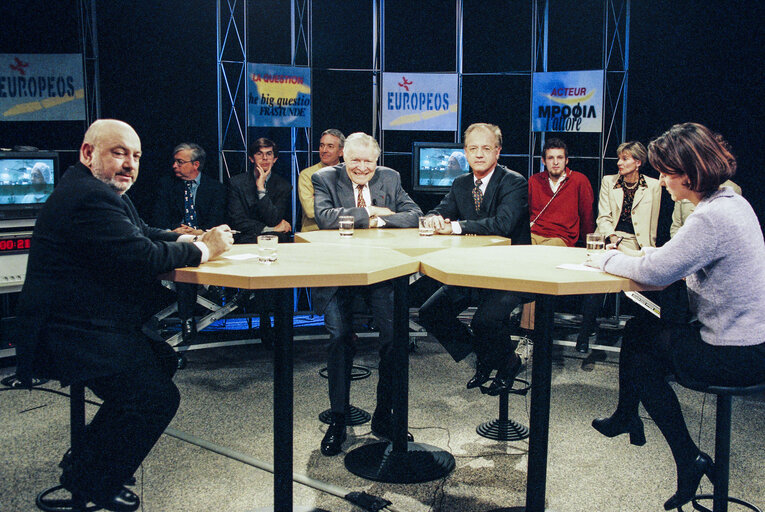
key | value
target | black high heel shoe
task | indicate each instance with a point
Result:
(503, 381)
(688, 479)
(616, 425)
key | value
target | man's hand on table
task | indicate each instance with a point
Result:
(218, 240)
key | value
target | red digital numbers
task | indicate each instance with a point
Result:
(14, 244)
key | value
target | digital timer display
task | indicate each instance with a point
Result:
(14, 244)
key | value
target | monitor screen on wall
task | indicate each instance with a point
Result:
(26, 181)
(436, 164)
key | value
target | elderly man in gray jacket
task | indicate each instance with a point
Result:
(373, 196)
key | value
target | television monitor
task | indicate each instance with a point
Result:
(436, 164)
(26, 181)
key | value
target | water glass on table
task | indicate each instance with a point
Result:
(345, 223)
(267, 248)
(596, 245)
(426, 226)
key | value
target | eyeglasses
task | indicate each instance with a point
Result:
(181, 162)
(265, 154)
(472, 150)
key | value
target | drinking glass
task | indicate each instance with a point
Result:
(426, 226)
(346, 225)
(267, 245)
(596, 245)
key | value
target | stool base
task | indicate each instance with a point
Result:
(502, 430)
(356, 417)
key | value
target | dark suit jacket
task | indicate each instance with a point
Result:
(210, 203)
(91, 262)
(249, 214)
(334, 196)
(504, 210)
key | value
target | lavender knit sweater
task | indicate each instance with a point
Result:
(721, 253)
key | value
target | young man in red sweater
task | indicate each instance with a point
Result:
(560, 200)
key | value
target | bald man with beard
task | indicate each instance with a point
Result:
(91, 262)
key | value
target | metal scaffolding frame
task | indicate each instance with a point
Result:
(89, 48)
(615, 64)
(232, 62)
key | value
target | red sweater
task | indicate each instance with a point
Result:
(569, 215)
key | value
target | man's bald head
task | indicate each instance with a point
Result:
(111, 150)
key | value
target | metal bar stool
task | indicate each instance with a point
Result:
(356, 416)
(720, 498)
(76, 503)
(503, 428)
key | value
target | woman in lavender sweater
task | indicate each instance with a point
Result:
(721, 254)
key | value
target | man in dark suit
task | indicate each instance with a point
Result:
(373, 196)
(189, 202)
(259, 203)
(491, 200)
(258, 200)
(91, 264)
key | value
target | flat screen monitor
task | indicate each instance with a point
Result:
(26, 181)
(436, 164)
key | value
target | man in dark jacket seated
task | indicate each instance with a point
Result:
(491, 200)
(91, 262)
(189, 202)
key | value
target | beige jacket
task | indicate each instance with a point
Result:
(645, 209)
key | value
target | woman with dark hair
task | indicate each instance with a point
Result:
(721, 253)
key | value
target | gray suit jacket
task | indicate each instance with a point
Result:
(334, 196)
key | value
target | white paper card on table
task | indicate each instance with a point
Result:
(245, 256)
(578, 266)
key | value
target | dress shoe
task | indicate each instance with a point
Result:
(617, 424)
(188, 330)
(66, 465)
(124, 500)
(583, 344)
(482, 374)
(333, 440)
(503, 381)
(688, 479)
(382, 426)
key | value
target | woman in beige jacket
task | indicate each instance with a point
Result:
(628, 210)
(629, 201)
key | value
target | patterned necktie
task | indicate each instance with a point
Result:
(189, 213)
(477, 195)
(360, 198)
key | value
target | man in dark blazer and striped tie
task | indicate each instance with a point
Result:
(490, 200)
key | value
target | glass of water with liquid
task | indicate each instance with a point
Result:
(596, 245)
(345, 223)
(426, 226)
(267, 248)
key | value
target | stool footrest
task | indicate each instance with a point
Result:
(701, 508)
(72, 504)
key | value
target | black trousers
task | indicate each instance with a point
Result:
(652, 350)
(338, 320)
(491, 330)
(137, 407)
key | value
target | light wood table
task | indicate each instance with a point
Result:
(407, 241)
(399, 461)
(300, 265)
(530, 269)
